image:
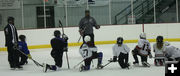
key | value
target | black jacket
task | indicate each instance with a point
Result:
(9, 33)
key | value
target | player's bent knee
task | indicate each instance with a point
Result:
(100, 54)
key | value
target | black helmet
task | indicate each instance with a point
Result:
(57, 33)
(159, 39)
(120, 40)
(10, 19)
(22, 37)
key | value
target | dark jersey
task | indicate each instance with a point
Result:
(23, 47)
(58, 44)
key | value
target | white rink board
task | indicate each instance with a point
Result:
(105, 33)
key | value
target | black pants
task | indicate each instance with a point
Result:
(92, 38)
(58, 59)
(13, 57)
(94, 56)
(136, 53)
(123, 60)
(23, 59)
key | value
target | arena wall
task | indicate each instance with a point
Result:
(107, 34)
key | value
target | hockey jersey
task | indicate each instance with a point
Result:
(86, 51)
(144, 45)
(23, 47)
(120, 49)
(172, 52)
(157, 51)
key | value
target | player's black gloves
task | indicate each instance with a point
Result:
(114, 58)
(65, 49)
(97, 26)
(65, 37)
(149, 54)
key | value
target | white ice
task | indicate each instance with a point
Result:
(113, 69)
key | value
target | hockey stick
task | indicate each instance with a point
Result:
(67, 60)
(109, 61)
(38, 64)
(78, 64)
(106, 64)
(66, 52)
(79, 39)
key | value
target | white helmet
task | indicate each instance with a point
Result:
(87, 38)
(143, 35)
(166, 43)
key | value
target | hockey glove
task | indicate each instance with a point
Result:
(150, 56)
(114, 59)
(65, 37)
(97, 26)
(29, 56)
(65, 49)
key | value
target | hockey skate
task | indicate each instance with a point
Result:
(82, 68)
(128, 66)
(145, 64)
(159, 62)
(156, 63)
(12, 68)
(45, 67)
(19, 67)
(99, 66)
(136, 63)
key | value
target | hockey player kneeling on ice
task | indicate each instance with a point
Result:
(172, 53)
(159, 48)
(143, 49)
(121, 51)
(23, 47)
(88, 51)
(59, 45)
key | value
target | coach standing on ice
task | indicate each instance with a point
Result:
(86, 26)
(11, 38)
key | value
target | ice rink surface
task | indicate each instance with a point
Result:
(113, 69)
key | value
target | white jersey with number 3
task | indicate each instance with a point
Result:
(86, 51)
(144, 45)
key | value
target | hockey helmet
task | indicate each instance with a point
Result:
(22, 37)
(143, 35)
(57, 33)
(120, 40)
(159, 39)
(87, 38)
